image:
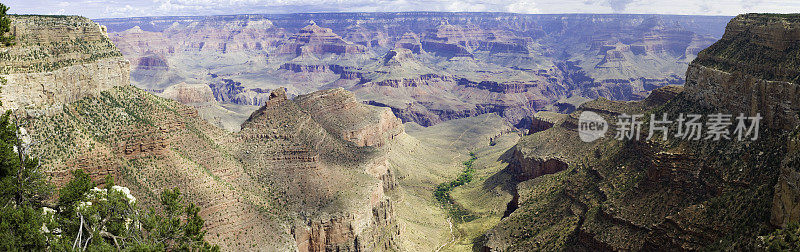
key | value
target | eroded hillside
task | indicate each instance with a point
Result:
(308, 174)
(676, 193)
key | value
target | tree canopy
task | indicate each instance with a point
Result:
(5, 27)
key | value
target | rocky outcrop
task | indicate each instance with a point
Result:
(418, 81)
(344, 73)
(786, 200)
(373, 231)
(189, 94)
(313, 39)
(727, 75)
(340, 113)
(230, 91)
(526, 168)
(58, 60)
(410, 41)
(540, 123)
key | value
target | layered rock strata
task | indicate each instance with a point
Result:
(58, 60)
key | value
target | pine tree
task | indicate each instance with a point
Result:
(5, 27)
(22, 192)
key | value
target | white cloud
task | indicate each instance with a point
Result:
(125, 8)
(525, 7)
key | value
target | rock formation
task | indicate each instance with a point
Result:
(314, 39)
(728, 75)
(316, 164)
(673, 194)
(58, 61)
(463, 64)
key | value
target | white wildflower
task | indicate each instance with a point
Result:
(26, 139)
(84, 204)
(125, 191)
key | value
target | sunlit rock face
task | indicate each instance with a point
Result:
(752, 69)
(58, 60)
(314, 39)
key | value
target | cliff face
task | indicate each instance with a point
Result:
(58, 60)
(753, 69)
(673, 194)
(727, 74)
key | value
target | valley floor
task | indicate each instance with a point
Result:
(426, 157)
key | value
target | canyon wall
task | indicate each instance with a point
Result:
(754, 69)
(427, 67)
(673, 194)
(58, 60)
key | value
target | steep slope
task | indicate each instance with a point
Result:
(249, 184)
(305, 175)
(673, 194)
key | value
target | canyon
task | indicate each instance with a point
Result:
(672, 194)
(427, 67)
(292, 137)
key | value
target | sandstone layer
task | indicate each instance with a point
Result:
(58, 60)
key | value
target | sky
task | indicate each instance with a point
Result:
(128, 8)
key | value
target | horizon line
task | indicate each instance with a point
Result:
(401, 12)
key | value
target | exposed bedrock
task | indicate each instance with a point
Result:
(230, 91)
(527, 168)
(343, 72)
(189, 94)
(314, 39)
(57, 61)
(375, 230)
(339, 112)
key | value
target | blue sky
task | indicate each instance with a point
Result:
(127, 8)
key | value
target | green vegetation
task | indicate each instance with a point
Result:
(22, 190)
(442, 192)
(90, 218)
(5, 27)
(735, 53)
(786, 239)
(83, 216)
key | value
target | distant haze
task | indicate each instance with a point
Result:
(129, 8)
